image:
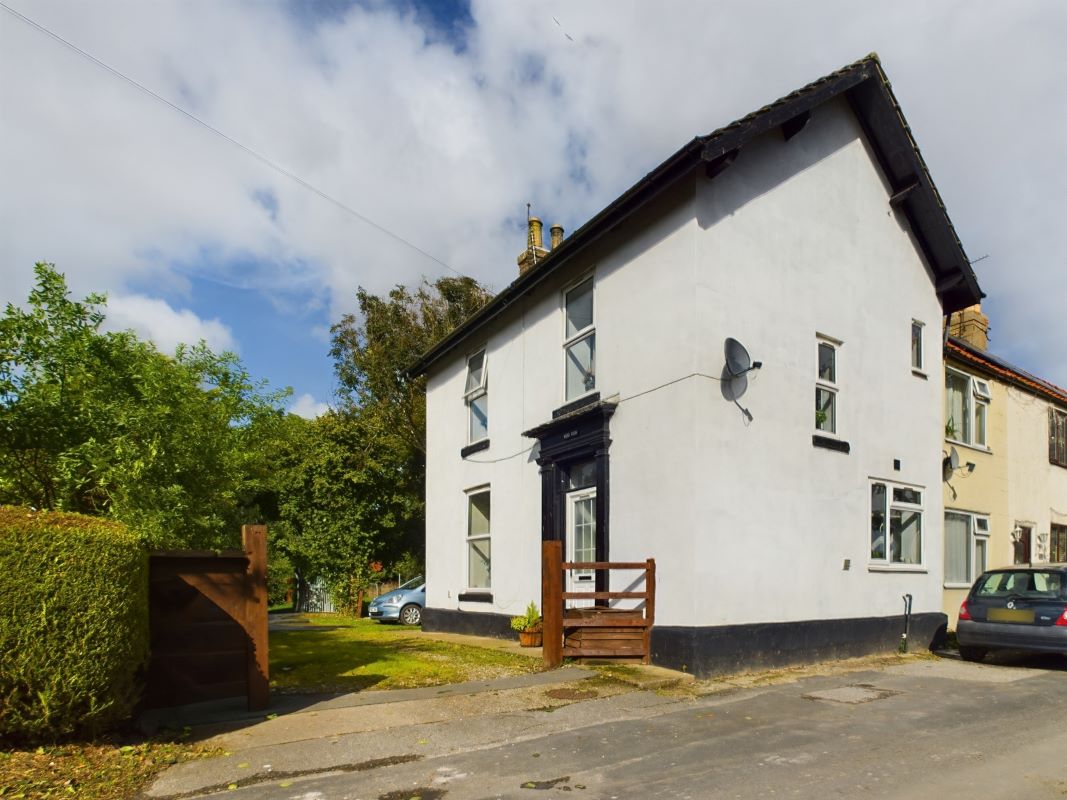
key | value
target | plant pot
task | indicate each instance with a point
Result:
(530, 638)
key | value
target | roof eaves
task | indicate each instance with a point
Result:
(998, 367)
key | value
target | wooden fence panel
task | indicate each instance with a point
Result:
(208, 625)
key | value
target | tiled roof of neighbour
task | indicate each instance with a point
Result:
(869, 93)
(997, 366)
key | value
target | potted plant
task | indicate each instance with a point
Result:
(529, 626)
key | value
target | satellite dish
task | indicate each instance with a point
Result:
(734, 378)
(949, 464)
(738, 361)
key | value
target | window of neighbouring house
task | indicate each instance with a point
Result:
(1057, 436)
(966, 547)
(826, 387)
(479, 559)
(1057, 544)
(916, 345)
(896, 524)
(966, 409)
(476, 397)
(579, 341)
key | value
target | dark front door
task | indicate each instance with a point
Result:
(575, 484)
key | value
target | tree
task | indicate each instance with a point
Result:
(103, 423)
(354, 488)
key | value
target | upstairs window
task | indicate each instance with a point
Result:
(826, 387)
(896, 524)
(477, 398)
(966, 409)
(1057, 436)
(579, 341)
(916, 345)
(1057, 544)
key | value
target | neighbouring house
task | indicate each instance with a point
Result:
(589, 401)
(1006, 500)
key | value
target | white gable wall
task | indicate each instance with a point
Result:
(748, 523)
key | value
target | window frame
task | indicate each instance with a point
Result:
(470, 494)
(886, 564)
(588, 332)
(977, 394)
(471, 396)
(920, 328)
(832, 387)
(1057, 436)
(1057, 543)
(974, 536)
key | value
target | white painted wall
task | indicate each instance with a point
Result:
(1038, 488)
(747, 522)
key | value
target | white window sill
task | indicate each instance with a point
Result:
(912, 568)
(963, 586)
(980, 448)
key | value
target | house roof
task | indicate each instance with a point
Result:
(960, 350)
(867, 89)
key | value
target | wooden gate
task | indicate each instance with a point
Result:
(598, 631)
(208, 624)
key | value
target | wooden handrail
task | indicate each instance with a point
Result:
(553, 599)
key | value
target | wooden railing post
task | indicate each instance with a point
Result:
(552, 603)
(254, 539)
(650, 607)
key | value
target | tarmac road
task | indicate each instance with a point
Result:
(924, 728)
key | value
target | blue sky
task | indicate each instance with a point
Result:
(440, 121)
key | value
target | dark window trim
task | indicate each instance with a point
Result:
(574, 405)
(475, 597)
(830, 444)
(1054, 423)
(471, 449)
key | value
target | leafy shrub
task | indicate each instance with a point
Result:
(530, 621)
(73, 623)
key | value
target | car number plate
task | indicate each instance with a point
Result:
(1020, 615)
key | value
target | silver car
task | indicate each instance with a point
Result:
(1015, 608)
(403, 604)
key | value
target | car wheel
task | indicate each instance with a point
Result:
(411, 614)
(972, 653)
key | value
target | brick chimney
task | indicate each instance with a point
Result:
(534, 252)
(971, 325)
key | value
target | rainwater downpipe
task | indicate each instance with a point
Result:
(907, 624)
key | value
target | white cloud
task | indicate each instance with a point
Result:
(445, 145)
(308, 407)
(167, 327)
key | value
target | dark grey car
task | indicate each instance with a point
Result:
(1015, 608)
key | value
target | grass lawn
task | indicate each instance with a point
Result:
(107, 769)
(363, 654)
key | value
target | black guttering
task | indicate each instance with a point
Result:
(868, 91)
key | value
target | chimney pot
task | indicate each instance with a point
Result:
(556, 232)
(535, 250)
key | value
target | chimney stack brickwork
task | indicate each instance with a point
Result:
(971, 325)
(535, 250)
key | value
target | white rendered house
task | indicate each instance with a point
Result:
(586, 403)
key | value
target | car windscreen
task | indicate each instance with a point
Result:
(1036, 585)
(412, 584)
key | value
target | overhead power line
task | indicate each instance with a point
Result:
(258, 156)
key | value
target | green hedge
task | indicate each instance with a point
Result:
(73, 623)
